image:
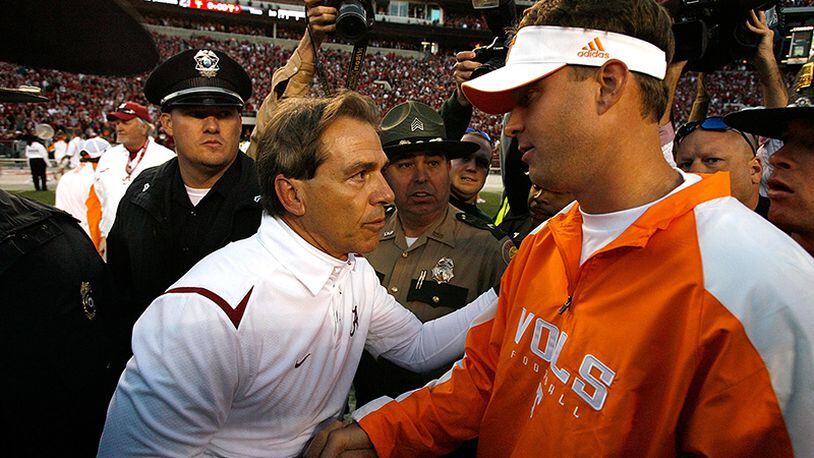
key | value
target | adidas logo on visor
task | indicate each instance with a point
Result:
(594, 49)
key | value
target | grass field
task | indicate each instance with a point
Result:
(492, 202)
(489, 207)
(46, 197)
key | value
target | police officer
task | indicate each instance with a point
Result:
(429, 253)
(57, 300)
(468, 174)
(54, 337)
(175, 214)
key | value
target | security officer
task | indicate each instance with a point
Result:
(57, 299)
(57, 378)
(468, 174)
(175, 214)
(429, 253)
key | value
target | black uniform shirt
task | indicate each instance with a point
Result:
(190, 225)
(159, 235)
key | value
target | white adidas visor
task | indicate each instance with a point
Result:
(541, 50)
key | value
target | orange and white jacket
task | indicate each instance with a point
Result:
(691, 333)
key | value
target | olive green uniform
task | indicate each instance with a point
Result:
(479, 254)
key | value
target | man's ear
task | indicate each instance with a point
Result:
(290, 192)
(755, 170)
(166, 122)
(612, 77)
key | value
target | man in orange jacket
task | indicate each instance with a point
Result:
(657, 316)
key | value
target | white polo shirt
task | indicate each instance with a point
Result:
(112, 179)
(254, 350)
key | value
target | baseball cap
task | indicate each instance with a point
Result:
(93, 148)
(198, 77)
(773, 122)
(538, 51)
(129, 110)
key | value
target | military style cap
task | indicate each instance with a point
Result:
(773, 122)
(198, 77)
(413, 127)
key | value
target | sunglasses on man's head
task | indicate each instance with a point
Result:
(714, 124)
(470, 130)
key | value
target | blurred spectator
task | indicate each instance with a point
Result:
(710, 146)
(37, 157)
(468, 175)
(75, 191)
(470, 21)
(136, 152)
(542, 205)
(74, 145)
(60, 148)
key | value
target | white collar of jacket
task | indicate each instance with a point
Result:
(312, 267)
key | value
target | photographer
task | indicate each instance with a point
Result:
(710, 145)
(457, 111)
(294, 79)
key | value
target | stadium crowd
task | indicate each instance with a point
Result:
(80, 101)
(231, 285)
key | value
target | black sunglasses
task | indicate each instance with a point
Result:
(715, 124)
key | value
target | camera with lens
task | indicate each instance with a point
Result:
(354, 18)
(499, 15)
(491, 57)
(712, 33)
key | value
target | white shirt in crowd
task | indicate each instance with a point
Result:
(72, 193)
(112, 179)
(72, 151)
(254, 350)
(36, 151)
(60, 150)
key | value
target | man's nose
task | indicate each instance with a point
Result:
(779, 160)
(421, 174)
(514, 124)
(383, 194)
(211, 125)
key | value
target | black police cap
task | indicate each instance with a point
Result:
(198, 77)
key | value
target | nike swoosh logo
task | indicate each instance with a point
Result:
(299, 363)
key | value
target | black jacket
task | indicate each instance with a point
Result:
(54, 341)
(146, 250)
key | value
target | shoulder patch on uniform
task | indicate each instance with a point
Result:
(479, 223)
(508, 250)
(234, 314)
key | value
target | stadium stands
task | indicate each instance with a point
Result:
(80, 101)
